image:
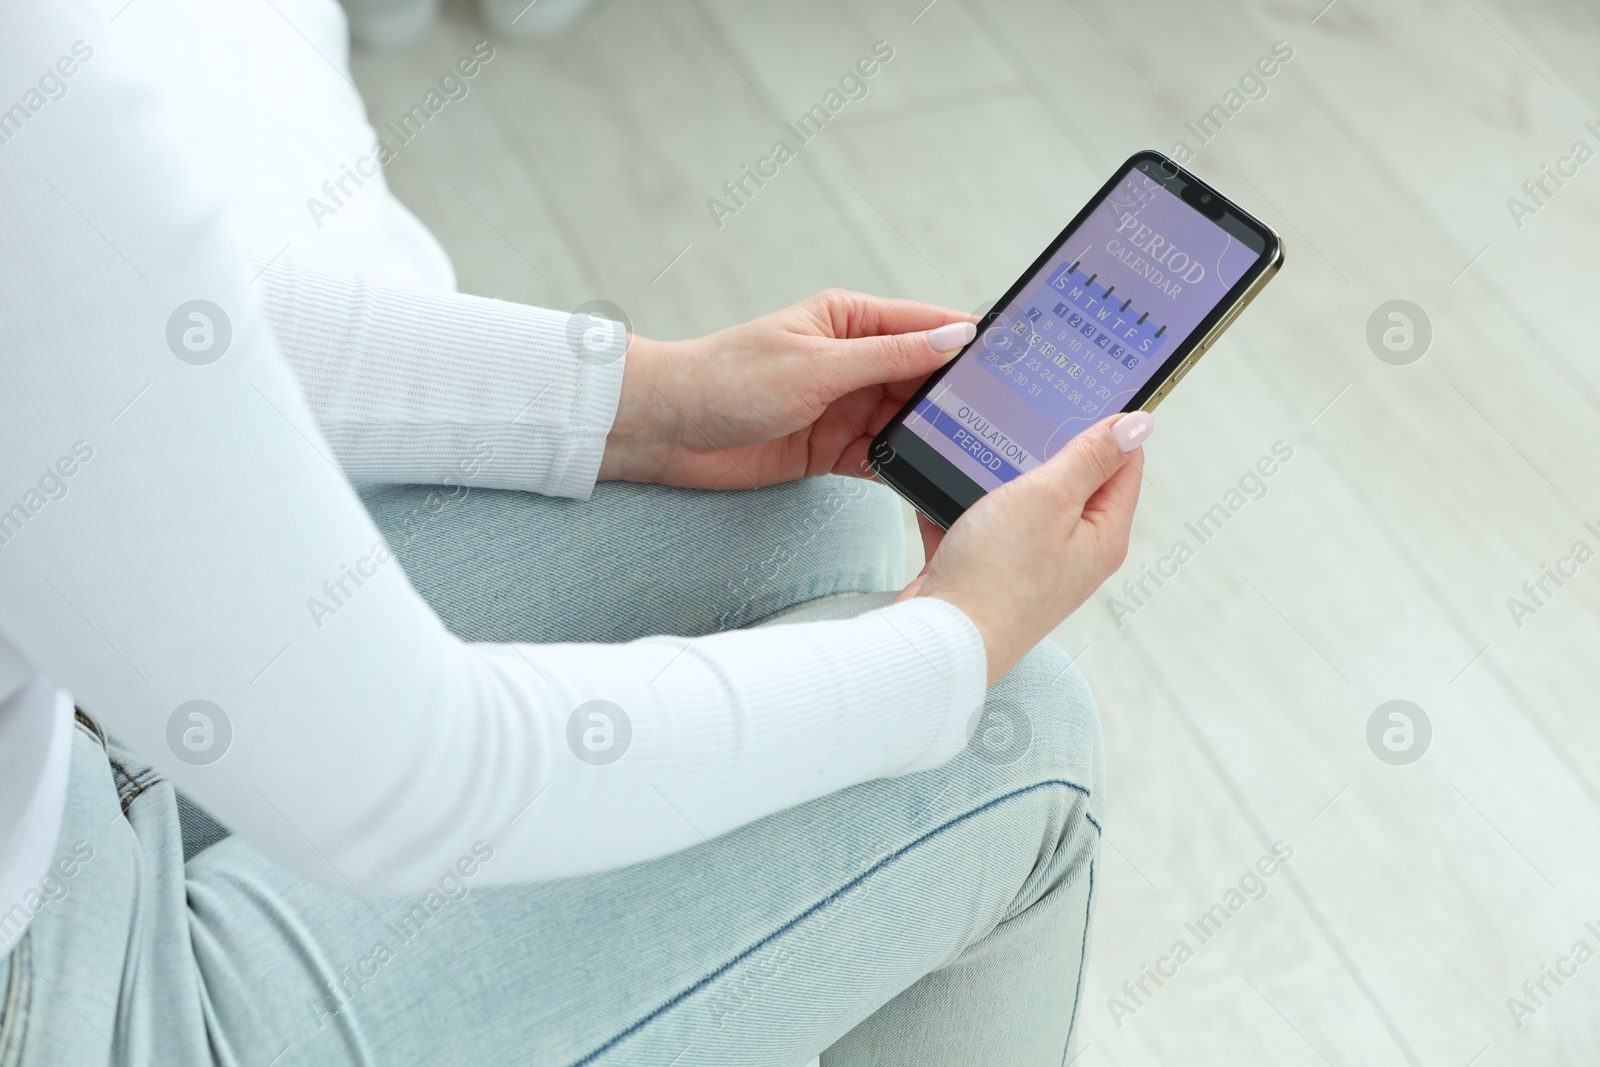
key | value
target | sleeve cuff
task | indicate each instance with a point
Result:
(949, 641)
(419, 386)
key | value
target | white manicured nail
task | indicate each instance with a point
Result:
(951, 336)
(1132, 429)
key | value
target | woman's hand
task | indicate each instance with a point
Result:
(801, 391)
(1026, 555)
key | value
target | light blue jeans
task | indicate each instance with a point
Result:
(936, 919)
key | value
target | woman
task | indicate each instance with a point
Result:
(455, 840)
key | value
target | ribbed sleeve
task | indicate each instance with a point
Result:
(421, 386)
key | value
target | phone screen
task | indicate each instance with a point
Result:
(1122, 291)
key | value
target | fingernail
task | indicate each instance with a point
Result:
(1132, 429)
(951, 336)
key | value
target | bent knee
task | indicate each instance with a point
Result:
(1039, 723)
(839, 517)
(820, 537)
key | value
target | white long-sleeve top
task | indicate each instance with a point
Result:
(176, 530)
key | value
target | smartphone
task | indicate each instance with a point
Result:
(1109, 318)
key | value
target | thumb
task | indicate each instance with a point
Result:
(899, 357)
(1092, 457)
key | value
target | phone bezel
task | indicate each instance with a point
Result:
(939, 489)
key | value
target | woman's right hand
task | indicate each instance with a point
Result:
(1026, 555)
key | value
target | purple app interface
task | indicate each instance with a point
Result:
(1084, 335)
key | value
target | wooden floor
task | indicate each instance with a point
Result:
(1377, 565)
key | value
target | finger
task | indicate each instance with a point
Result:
(899, 357)
(1091, 459)
(1110, 510)
(853, 314)
(853, 461)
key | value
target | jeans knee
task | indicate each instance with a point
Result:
(1039, 723)
(841, 516)
(818, 537)
(1040, 732)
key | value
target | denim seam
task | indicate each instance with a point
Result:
(1083, 958)
(684, 994)
(135, 784)
(83, 721)
(131, 783)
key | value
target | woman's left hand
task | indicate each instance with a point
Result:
(798, 392)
